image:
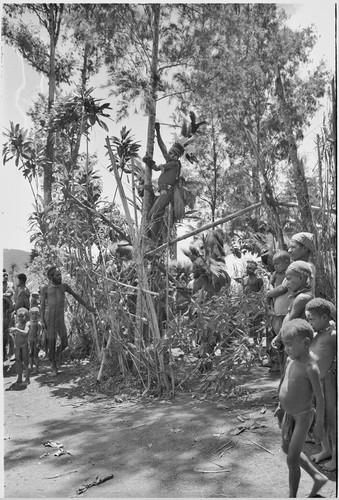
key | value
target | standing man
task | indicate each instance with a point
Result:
(53, 311)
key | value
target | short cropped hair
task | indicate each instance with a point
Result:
(22, 277)
(252, 262)
(300, 267)
(281, 255)
(50, 271)
(34, 309)
(321, 306)
(22, 310)
(298, 327)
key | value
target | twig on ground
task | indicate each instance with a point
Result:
(63, 474)
(93, 483)
(262, 447)
(211, 471)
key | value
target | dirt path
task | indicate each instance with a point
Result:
(153, 447)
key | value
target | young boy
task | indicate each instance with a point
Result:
(34, 329)
(21, 344)
(252, 282)
(22, 293)
(300, 383)
(298, 276)
(323, 348)
(281, 261)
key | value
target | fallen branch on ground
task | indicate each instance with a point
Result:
(93, 483)
(262, 447)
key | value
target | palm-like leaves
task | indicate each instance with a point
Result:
(125, 149)
(21, 147)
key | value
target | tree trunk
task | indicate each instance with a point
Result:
(54, 14)
(298, 176)
(147, 201)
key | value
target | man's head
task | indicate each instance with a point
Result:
(281, 261)
(22, 278)
(235, 247)
(251, 267)
(4, 276)
(301, 246)
(297, 336)
(298, 275)
(176, 151)
(319, 312)
(54, 275)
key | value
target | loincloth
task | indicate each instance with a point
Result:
(288, 424)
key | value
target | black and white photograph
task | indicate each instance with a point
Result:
(169, 250)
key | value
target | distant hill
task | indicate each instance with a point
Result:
(18, 257)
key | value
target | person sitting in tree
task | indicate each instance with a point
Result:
(53, 311)
(170, 172)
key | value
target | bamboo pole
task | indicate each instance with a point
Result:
(205, 227)
(120, 187)
(103, 359)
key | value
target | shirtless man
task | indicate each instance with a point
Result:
(301, 382)
(53, 311)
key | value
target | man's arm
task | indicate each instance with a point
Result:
(298, 307)
(77, 297)
(314, 376)
(43, 296)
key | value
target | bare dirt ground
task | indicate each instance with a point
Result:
(187, 446)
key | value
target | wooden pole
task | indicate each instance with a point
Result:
(205, 227)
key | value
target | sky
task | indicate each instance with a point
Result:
(20, 83)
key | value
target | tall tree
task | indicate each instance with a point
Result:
(42, 55)
(238, 49)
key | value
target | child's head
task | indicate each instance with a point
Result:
(22, 315)
(297, 336)
(298, 275)
(281, 261)
(319, 312)
(251, 267)
(34, 313)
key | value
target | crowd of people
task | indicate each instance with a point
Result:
(305, 342)
(302, 347)
(34, 322)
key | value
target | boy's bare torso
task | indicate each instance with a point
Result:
(323, 349)
(296, 391)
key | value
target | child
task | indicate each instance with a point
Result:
(34, 328)
(298, 276)
(300, 383)
(22, 293)
(21, 344)
(323, 349)
(281, 261)
(252, 282)
(35, 302)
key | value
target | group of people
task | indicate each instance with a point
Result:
(35, 320)
(305, 343)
